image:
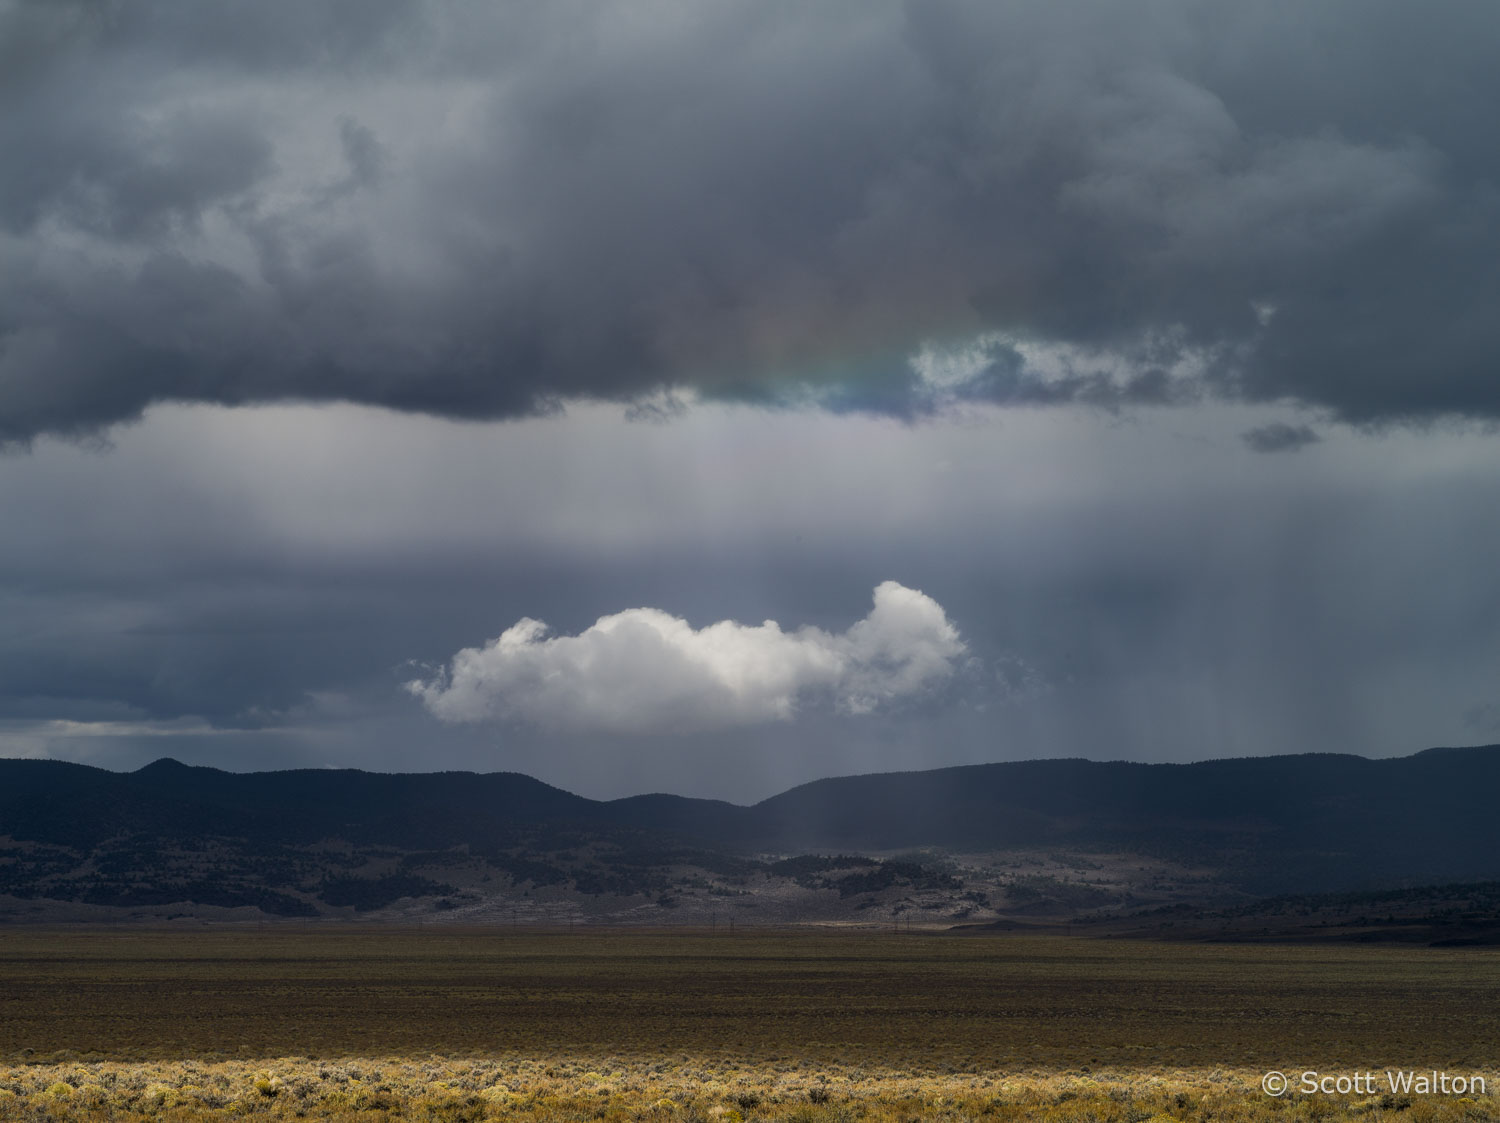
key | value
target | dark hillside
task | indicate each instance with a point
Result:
(295, 842)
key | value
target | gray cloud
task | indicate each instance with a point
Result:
(1483, 720)
(482, 210)
(249, 587)
(1278, 436)
(879, 211)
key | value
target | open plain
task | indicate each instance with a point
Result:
(445, 1023)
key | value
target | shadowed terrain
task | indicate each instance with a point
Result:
(1038, 839)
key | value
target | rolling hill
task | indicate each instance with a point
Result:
(985, 841)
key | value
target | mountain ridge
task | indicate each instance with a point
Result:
(300, 841)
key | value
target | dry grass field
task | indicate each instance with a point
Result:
(449, 1024)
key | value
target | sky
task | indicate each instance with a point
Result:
(709, 397)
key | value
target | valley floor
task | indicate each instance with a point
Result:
(469, 1024)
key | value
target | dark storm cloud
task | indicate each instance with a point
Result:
(253, 587)
(1278, 436)
(480, 210)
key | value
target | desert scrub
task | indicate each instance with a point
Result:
(464, 1027)
(609, 1088)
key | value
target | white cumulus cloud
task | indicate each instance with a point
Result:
(644, 670)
